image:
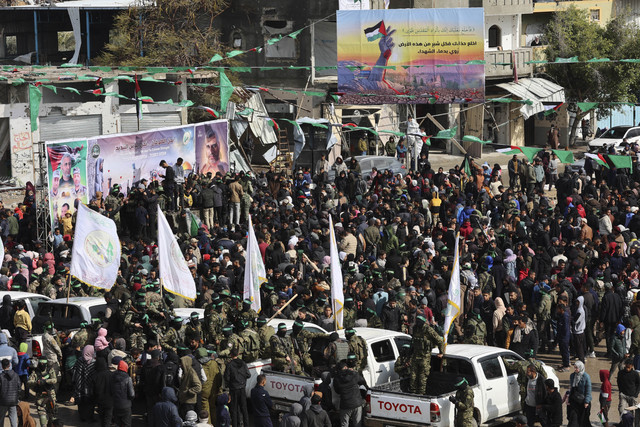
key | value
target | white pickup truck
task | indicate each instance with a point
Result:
(383, 348)
(496, 390)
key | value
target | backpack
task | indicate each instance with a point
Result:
(251, 342)
(171, 374)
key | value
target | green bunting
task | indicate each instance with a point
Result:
(564, 156)
(471, 138)
(586, 106)
(530, 152)
(296, 33)
(447, 133)
(226, 90)
(571, 60)
(35, 96)
(234, 53)
(215, 58)
(621, 162)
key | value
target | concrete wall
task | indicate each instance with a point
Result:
(605, 7)
(510, 29)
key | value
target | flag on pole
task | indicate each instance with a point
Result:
(453, 301)
(337, 294)
(254, 272)
(96, 249)
(174, 272)
(599, 159)
(137, 97)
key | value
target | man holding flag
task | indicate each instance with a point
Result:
(254, 272)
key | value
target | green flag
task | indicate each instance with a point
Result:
(471, 138)
(586, 106)
(530, 152)
(35, 96)
(226, 89)
(447, 133)
(621, 162)
(564, 156)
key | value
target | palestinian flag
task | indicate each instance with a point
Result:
(599, 159)
(211, 111)
(466, 165)
(550, 110)
(272, 123)
(375, 32)
(509, 151)
(137, 99)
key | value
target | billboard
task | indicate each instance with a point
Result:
(67, 174)
(212, 147)
(411, 56)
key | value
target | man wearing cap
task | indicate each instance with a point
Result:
(357, 347)
(42, 381)
(81, 337)
(463, 401)
(282, 356)
(248, 314)
(402, 367)
(423, 340)
(155, 305)
(347, 382)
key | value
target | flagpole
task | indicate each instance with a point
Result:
(283, 307)
(66, 311)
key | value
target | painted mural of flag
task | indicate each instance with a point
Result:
(375, 32)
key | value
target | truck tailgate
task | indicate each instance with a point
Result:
(401, 407)
(285, 388)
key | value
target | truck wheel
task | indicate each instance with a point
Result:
(476, 418)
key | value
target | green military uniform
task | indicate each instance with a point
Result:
(213, 322)
(424, 338)
(358, 347)
(265, 332)
(229, 343)
(137, 337)
(155, 305)
(81, 337)
(211, 387)
(42, 381)
(281, 349)
(51, 350)
(174, 336)
(349, 314)
(250, 342)
(373, 321)
(476, 331)
(464, 404)
(248, 314)
(402, 367)
(193, 330)
(302, 344)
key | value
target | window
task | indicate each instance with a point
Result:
(66, 41)
(11, 45)
(491, 368)
(633, 133)
(400, 341)
(495, 36)
(382, 351)
(594, 14)
(98, 310)
(35, 302)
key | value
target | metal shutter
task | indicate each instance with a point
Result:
(129, 122)
(65, 127)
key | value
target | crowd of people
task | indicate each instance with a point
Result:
(538, 275)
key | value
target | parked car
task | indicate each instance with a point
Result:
(367, 163)
(614, 137)
(32, 300)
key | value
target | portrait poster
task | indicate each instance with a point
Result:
(67, 176)
(411, 56)
(212, 147)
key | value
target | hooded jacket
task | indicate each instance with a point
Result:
(190, 384)
(236, 374)
(580, 321)
(605, 388)
(101, 341)
(101, 384)
(165, 412)
(223, 418)
(6, 313)
(317, 417)
(347, 384)
(292, 419)
(7, 352)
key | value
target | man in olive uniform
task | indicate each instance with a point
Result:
(213, 321)
(137, 335)
(302, 344)
(230, 341)
(358, 347)
(211, 387)
(81, 337)
(349, 313)
(193, 330)
(520, 366)
(402, 367)
(423, 340)
(464, 403)
(248, 313)
(250, 342)
(51, 349)
(282, 356)
(173, 337)
(265, 332)
(42, 381)
(155, 305)
(373, 321)
(476, 331)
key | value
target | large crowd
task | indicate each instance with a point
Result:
(538, 275)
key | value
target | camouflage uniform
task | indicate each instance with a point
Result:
(402, 367)
(51, 350)
(302, 345)
(520, 366)
(229, 343)
(251, 344)
(281, 348)
(43, 383)
(193, 332)
(213, 322)
(173, 338)
(464, 407)
(349, 317)
(475, 331)
(265, 332)
(80, 339)
(358, 347)
(155, 305)
(137, 338)
(424, 338)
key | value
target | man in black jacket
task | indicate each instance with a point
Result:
(235, 377)
(347, 384)
(390, 316)
(610, 313)
(261, 403)
(552, 406)
(536, 394)
(629, 386)
(9, 391)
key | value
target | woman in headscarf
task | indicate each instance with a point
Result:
(510, 262)
(82, 383)
(498, 330)
(579, 405)
(30, 195)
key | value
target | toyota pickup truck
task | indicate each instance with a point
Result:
(496, 390)
(383, 348)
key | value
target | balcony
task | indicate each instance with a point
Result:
(506, 57)
(507, 7)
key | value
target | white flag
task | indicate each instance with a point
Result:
(95, 257)
(453, 303)
(254, 272)
(337, 295)
(174, 271)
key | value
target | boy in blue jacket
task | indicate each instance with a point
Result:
(22, 368)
